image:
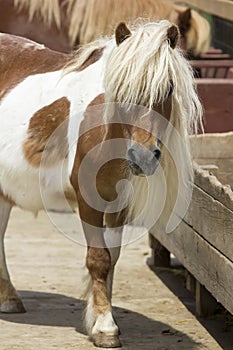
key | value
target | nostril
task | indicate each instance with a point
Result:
(157, 153)
(131, 155)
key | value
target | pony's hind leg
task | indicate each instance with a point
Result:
(9, 299)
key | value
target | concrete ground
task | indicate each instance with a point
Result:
(153, 309)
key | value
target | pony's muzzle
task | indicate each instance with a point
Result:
(143, 160)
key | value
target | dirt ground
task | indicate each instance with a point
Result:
(153, 309)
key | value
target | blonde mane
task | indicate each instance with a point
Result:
(90, 19)
(140, 71)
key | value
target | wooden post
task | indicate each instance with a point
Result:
(205, 303)
(190, 282)
(160, 256)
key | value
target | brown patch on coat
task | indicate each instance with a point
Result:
(20, 58)
(88, 139)
(98, 262)
(92, 133)
(41, 128)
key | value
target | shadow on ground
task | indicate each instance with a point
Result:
(137, 330)
(220, 325)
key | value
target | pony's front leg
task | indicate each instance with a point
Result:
(99, 321)
(9, 299)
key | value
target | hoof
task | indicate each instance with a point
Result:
(12, 306)
(102, 340)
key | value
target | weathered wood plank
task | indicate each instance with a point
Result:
(216, 56)
(221, 8)
(212, 68)
(211, 185)
(215, 145)
(208, 266)
(212, 63)
(213, 50)
(222, 168)
(212, 220)
(215, 149)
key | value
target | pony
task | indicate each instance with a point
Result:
(80, 130)
(65, 24)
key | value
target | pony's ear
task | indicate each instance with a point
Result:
(184, 21)
(122, 33)
(172, 36)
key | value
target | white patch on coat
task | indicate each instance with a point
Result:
(90, 316)
(105, 324)
(18, 179)
(99, 323)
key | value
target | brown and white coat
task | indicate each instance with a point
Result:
(38, 98)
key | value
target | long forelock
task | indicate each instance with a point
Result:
(141, 70)
(131, 67)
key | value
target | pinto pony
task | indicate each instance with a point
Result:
(64, 24)
(62, 117)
